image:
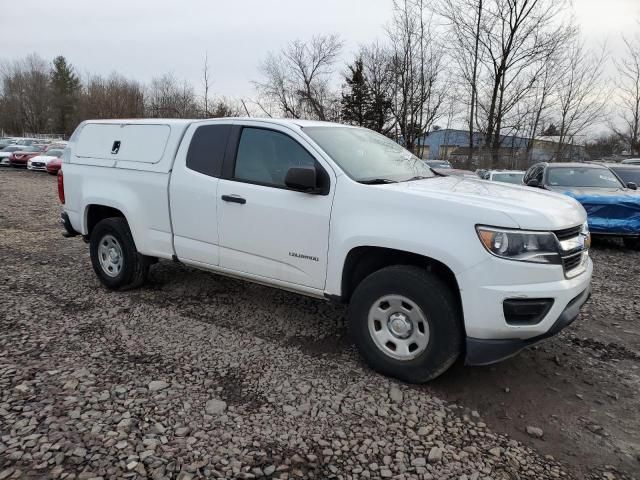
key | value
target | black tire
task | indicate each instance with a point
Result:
(437, 302)
(632, 243)
(135, 266)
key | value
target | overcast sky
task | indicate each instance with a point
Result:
(145, 38)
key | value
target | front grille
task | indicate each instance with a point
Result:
(568, 233)
(572, 261)
(574, 251)
(37, 164)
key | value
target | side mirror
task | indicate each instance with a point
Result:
(533, 183)
(632, 185)
(303, 179)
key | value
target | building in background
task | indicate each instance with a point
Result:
(515, 152)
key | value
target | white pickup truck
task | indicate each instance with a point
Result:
(433, 267)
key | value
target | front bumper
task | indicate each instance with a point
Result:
(484, 352)
(40, 168)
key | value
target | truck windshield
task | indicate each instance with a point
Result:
(369, 157)
(582, 177)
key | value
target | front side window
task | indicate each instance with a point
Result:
(367, 156)
(582, 177)
(628, 175)
(265, 156)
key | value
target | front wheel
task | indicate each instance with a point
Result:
(114, 256)
(406, 323)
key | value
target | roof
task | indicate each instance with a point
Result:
(574, 164)
(184, 121)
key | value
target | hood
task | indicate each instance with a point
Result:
(611, 211)
(529, 208)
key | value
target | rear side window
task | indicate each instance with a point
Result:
(207, 148)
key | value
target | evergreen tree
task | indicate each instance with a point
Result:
(356, 99)
(65, 89)
(378, 112)
(551, 131)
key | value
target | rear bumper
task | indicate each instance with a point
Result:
(66, 223)
(481, 351)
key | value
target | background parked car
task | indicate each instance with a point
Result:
(506, 176)
(20, 158)
(6, 152)
(612, 208)
(6, 141)
(632, 161)
(40, 162)
(438, 163)
(54, 166)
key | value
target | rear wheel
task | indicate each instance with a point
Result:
(632, 243)
(406, 324)
(114, 256)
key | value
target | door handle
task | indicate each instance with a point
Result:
(233, 199)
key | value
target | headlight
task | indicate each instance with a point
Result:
(536, 247)
(584, 231)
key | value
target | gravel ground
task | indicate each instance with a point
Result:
(199, 376)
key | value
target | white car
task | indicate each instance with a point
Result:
(40, 162)
(433, 267)
(6, 152)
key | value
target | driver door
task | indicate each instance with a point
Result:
(265, 228)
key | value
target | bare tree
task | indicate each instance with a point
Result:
(298, 79)
(464, 18)
(628, 90)
(167, 97)
(418, 88)
(376, 61)
(111, 97)
(206, 85)
(26, 95)
(581, 94)
(515, 35)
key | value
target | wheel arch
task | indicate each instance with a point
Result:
(95, 212)
(362, 261)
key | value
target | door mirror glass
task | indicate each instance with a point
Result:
(533, 183)
(632, 185)
(303, 179)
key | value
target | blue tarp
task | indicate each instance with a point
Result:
(611, 214)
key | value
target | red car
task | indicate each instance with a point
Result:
(54, 166)
(21, 157)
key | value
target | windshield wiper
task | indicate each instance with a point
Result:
(376, 181)
(417, 177)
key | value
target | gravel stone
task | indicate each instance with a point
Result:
(435, 455)
(215, 407)
(535, 431)
(157, 385)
